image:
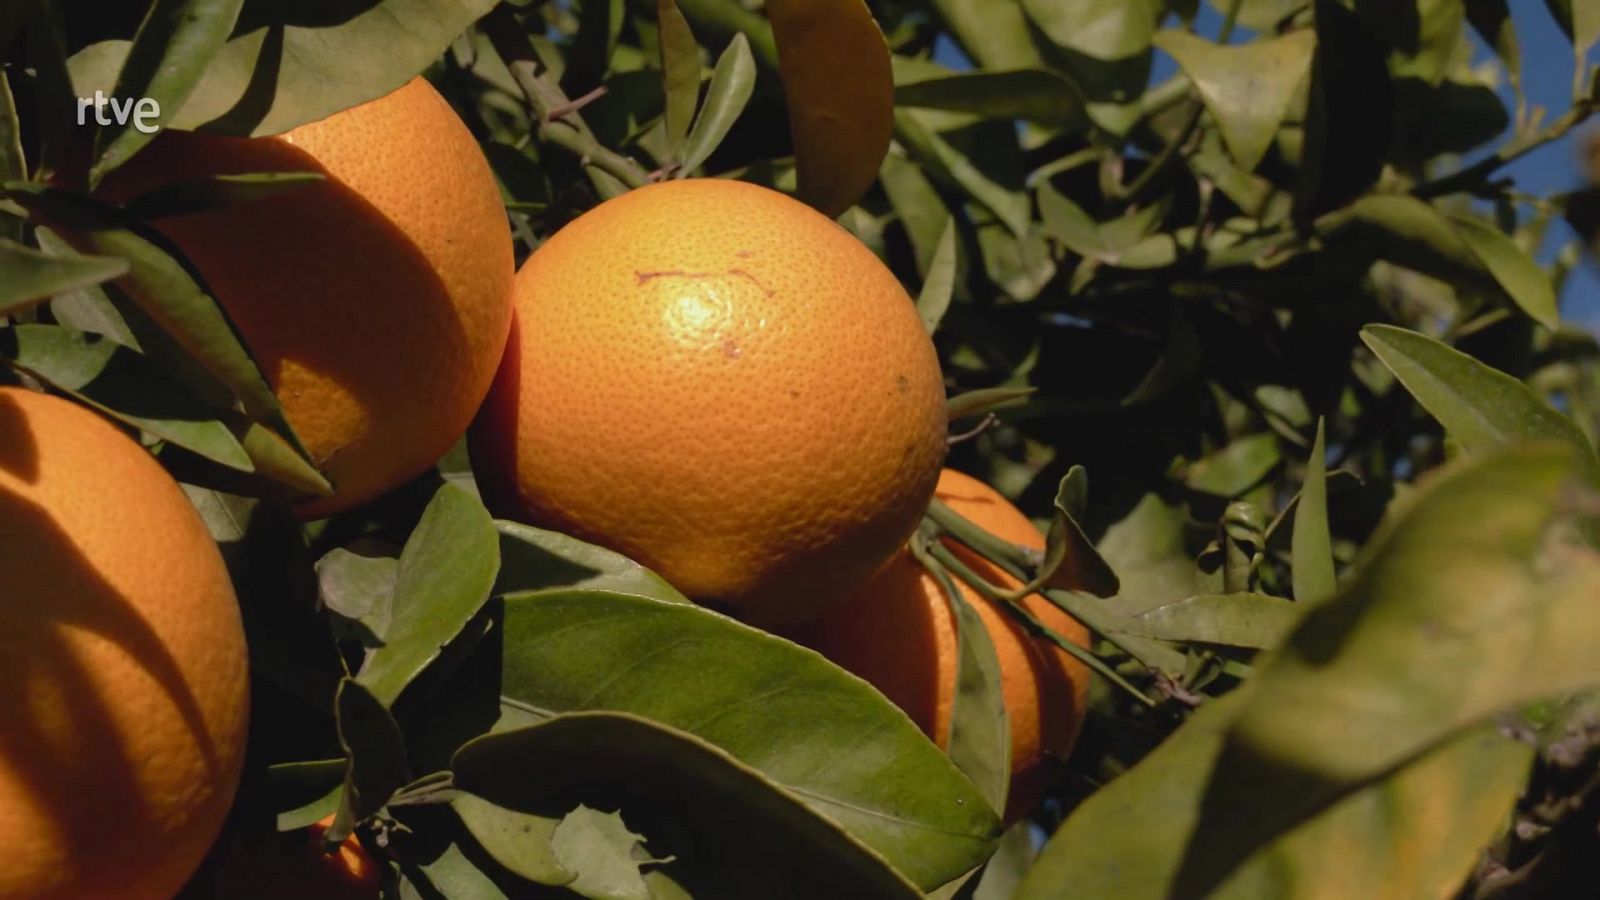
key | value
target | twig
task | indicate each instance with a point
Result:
(573, 105)
(1471, 178)
(556, 115)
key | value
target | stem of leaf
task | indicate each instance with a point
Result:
(953, 564)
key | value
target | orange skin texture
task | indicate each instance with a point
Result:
(294, 866)
(717, 381)
(377, 302)
(123, 690)
(898, 634)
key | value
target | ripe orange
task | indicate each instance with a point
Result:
(378, 301)
(716, 380)
(898, 634)
(123, 690)
(292, 866)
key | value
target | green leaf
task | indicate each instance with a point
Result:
(1423, 33)
(1242, 619)
(304, 793)
(680, 73)
(13, 164)
(1311, 548)
(168, 291)
(533, 559)
(284, 66)
(1150, 551)
(939, 285)
(216, 192)
(169, 54)
(445, 574)
(1107, 242)
(732, 82)
(806, 725)
(986, 400)
(55, 99)
(1492, 20)
(979, 739)
(1261, 15)
(375, 754)
(121, 383)
(1484, 574)
(1105, 46)
(1247, 87)
(922, 213)
(1034, 95)
(1522, 278)
(589, 57)
(839, 88)
(359, 588)
(600, 848)
(1068, 551)
(28, 275)
(517, 840)
(767, 843)
(995, 33)
(1238, 467)
(1415, 833)
(1480, 406)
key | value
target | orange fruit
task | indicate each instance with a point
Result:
(897, 632)
(292, 865)
(716, 380)
(377, 302)
(123, 690)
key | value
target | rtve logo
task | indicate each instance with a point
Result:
(139, 111)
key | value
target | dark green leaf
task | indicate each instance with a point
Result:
(939, 284)
(445, 575)
(56, 99)
(804, 723)
(517, 840)
(532, 559)
(287, 64)
(1243, 619)
(680, 73)
(614, 760)
(164, 65)
(28, 275)
(13, 164)
(375, 754)
(589, 58)
(1069, 552)
(1150, 550)
(839, 88)
(1248, 87)
(1480, 406)
(1107, 242)
(304, 793)
(121, 383)
(1311, 548)
(921, 211)
(1035, 95)
(168, 291)
(732, 82)
(1492, 20)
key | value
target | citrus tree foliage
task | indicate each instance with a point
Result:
(1338, 555)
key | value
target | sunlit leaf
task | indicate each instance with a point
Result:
(1524, 282)
(732, 82)
(680, 73)
(803, 723)
(446, 571)
(939, 284)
